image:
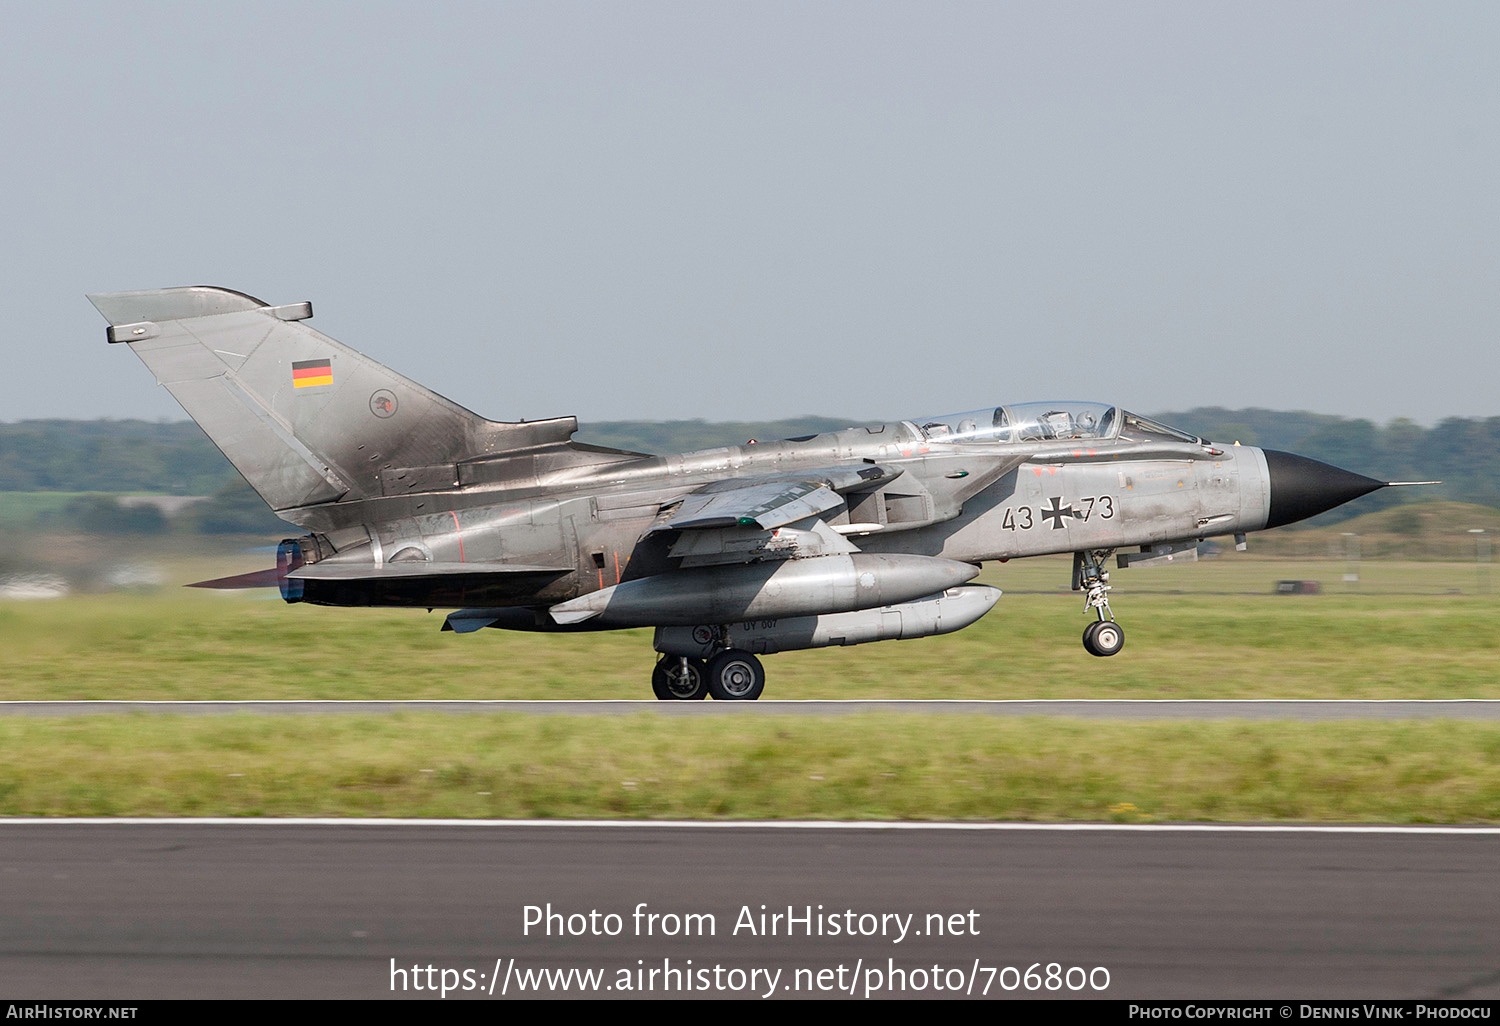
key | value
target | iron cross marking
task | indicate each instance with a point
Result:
(1058, 511)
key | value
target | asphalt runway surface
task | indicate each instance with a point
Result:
(276, 910)
(1144, 709)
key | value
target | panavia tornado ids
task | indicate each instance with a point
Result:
(867, 534)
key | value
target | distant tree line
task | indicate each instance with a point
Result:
(110, 456)
(121, 456)
(232, 509)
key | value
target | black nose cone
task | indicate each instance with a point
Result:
(1302, 488)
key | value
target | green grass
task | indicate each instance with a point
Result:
(1213, 630)
(1431, 529)
(21, 509)
(872, 766)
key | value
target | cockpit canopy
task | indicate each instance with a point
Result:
(1046, 422)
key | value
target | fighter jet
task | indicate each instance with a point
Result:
(867, 534)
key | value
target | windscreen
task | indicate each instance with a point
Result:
(1140, 429)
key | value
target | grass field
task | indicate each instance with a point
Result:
(872, 766)
(1211, 630)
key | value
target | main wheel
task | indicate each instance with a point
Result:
(735, 677)
(1104, 638)
(674, 682)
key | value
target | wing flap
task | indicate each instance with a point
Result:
(765, 506)
(769, 503)
(752, 545)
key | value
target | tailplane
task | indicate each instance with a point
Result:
(304, 418)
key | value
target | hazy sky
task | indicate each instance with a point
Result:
(751, 210)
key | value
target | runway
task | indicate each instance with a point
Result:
(1115, 709)
(305, 910)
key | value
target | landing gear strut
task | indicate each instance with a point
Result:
(1103, 637)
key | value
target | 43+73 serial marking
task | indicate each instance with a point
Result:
(1022, 518)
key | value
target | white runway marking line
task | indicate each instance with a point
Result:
(745, 824)
(646, 703)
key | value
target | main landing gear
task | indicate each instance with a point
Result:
(679, 679)
(730, 676)
(1103, 637)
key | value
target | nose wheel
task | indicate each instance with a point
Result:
(1103, 638)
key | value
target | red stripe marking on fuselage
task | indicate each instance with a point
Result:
(458, 531)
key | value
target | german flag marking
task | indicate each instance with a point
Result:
(307, 373)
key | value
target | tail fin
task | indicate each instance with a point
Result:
(305, 419)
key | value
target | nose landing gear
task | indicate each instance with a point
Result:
(1104, 637)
